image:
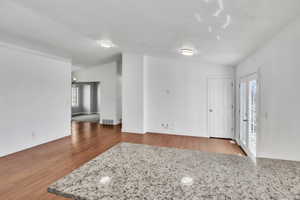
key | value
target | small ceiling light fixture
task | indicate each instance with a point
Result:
(228, 21)
(218, 37)
(187, 51)
(210, 29)
(106, 43)
(221, 8)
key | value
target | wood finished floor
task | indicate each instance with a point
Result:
(25, 175)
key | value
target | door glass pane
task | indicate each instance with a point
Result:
(252, 116)
(243, 113)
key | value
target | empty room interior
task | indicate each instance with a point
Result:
(150, 100)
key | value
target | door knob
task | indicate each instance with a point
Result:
(245, 120)
(210, 110)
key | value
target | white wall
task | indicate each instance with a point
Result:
(119, 89)
(133, 93)
(35, 99)
(278, 64)
(106, 74)
(166, 95)
(176, 95)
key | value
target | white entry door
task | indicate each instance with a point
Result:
(248, 114)
(220, 107)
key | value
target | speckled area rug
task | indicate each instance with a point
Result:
(134, 171)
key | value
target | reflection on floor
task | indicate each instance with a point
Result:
(135, 171)
(86, 118)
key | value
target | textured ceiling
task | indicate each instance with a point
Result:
(70, 28)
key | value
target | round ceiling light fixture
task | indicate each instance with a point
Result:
(106, 43)
(187, 51)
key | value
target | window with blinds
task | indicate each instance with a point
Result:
(75, 96)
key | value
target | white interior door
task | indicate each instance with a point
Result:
(248, 114)
(220, 107)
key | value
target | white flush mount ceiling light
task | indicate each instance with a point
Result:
(228, 21)
(221, 8)
(187, 51)
(210, 29)
(106, 43)
(218, 37)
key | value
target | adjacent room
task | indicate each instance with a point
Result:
(85, 101)
(150, 100)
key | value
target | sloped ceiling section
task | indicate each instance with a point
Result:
(23, 26)
(70, 28)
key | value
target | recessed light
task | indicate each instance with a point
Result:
(187, 51)
(106, 43)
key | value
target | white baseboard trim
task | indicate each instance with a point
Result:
(176, 132)
(138, 131)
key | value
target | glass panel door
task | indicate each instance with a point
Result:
(252, 116)
(243, 113)
(248, 113)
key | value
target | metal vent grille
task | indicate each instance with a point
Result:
(107, 121)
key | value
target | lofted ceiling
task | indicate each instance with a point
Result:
(70, 28)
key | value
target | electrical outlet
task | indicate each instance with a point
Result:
(266, 115)
(33, 135)
(171, 126)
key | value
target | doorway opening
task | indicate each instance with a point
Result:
(85, 102)
(248, 113)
